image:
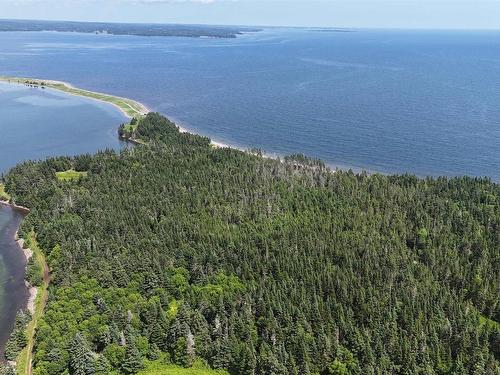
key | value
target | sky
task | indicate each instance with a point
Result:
(427, 14)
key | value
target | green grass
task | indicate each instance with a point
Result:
(490, 324)
(4, 196)
(22, 360)
(160, 368)
(133, 124)
(130, 128)
(70, 175)
(128, 106)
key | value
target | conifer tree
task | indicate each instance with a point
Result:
(133, 362)
(81, 357)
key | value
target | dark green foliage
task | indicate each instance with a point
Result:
(102, 366)
(133, 360)
(144, 29)
(302, 160)
(261, 266)
(157, 128)
(81, 361)
(17, 340)
(337, 368)
(6, 369)
(34, 273)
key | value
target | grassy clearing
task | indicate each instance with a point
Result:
(23, 360)
(130, 107)
(130, 128)
(22, 367)
(161, 368)
(128, 131)
(70, 175)
(4, 196)
(490, 324)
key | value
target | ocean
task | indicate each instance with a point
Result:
(421, 102)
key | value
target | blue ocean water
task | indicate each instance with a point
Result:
(424, 102)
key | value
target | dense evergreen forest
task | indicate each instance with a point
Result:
(175, 248)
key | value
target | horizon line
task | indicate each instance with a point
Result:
(350, 28)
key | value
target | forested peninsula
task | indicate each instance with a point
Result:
(174, 252)
(137, 29)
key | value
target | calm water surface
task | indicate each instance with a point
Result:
(36, 123)
(389, 101)
(13, 292)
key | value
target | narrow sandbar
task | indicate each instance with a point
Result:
(128, 107)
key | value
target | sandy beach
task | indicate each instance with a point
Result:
(143, 109)
(70, 89)
(127, 106)
(32, 290)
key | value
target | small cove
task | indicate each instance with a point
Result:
(38, 123)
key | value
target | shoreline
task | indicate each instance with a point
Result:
(32, 290)
(25, 210)
(37, 295)
(131, 106)
(28, 253)
(215, 144)
(128, 107)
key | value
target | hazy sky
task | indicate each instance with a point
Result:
(479, 14)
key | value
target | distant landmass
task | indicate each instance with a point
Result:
(195, 31)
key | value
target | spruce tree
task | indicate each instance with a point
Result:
(133, 361)
(81, 357)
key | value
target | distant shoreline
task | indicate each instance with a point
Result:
(129, 107)
(132, 29)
